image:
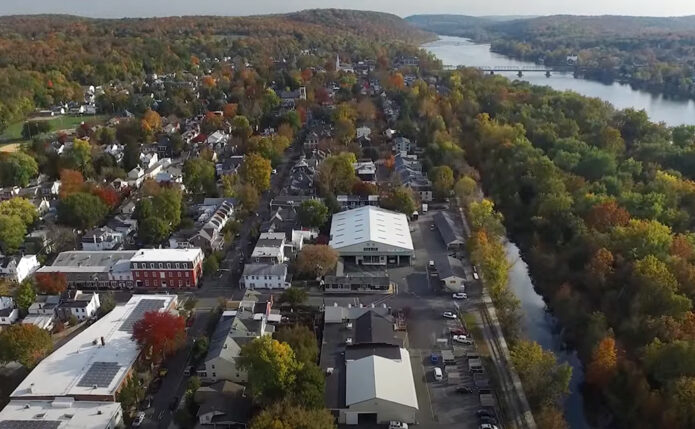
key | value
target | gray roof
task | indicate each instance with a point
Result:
(265, 270)
(219, 337)
(448, 266)
(450, 230)
(373, 328)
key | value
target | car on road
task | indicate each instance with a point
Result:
(146, 403)
(139, 418)
(449, 315)
(397, 425)
(487, 426)
(460, 295)
(174, 403)
(432, 227)
(274, 171)
(464, 389)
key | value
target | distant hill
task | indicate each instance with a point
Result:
(453, 25)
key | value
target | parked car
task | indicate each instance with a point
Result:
(460, 338)
(432, 227)
(146, 403)
(485, 412)
(188, 371)
(139, 418)
(487, 426)
(460, 295)
(438, 374)
(464, 389)
(397, 425)
(449, 315)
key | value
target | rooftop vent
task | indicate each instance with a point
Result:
(329, 371)
(348, 341)
(349, 325)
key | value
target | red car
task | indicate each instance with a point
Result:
(458, 332)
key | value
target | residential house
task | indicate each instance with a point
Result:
(103, 238)
(265, 276)
(234, 329)
(363, 133)
(270, 248)
(165, 147)
(82, 305)
(223, 404)
(402, 145)
(365, 170)
(16, 268)
(8, 311)
(148, 160)
(135, 177)
(349, 202)
(38, 241)
(451, 231)
(451, 272)
(409, 171)
(357, 279)
(301, 180)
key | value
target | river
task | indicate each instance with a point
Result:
(459, 51)
(538, 324)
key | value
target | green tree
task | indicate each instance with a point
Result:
(272, 368)
(79, 156)
(545, 381)
(293, 296)
(400, 199)
(312, 213)
(336, 174)
(21, 207)
(200, 348)
(466, 189)
(12, 232)
(309, 386)
(241, 127)
(199, 176)
(17, 169)
(25, 295)
(248, 197)
(442, 181)
(284, 415)
(668, 361)
(256, 170)
(299, 337)
(211, 265)
(153, 230)
(131, 393)
(81, 210)
(31, 129)
(24, 343)
(642, 237)
(482, 215)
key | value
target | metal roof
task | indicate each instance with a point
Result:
(370, 223)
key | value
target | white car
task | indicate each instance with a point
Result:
(397, 425)
(462, 339)
(460, 295)
(487, 426)
(274, 171)
(449, 315)
(139, 419)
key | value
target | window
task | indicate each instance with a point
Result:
(178, 273)
(168, 264)
(180, 283)
(161, 274)
(161, 265)
(213, 366)
(151, 265)
(147, 273)
(214, 375)
(147, 282)
(188, 283)
(177, 265)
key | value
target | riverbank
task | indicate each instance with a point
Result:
(459, 51)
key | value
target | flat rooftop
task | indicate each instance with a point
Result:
(62, 413)
(167, 255)
(85, 367)
(88, 261)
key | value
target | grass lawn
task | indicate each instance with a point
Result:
(13, 133)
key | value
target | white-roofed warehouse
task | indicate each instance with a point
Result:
(372, 236)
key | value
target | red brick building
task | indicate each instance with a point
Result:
(167, 268)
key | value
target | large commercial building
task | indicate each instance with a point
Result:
(95, 364)
(61, 413)
(146, 268)
(167, 268)
(369, 376)
(372, 236)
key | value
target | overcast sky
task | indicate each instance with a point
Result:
(144, 8)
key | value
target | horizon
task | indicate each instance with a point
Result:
(402, 8)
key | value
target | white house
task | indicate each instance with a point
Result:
(363, 133)
(17, 269)
(372, 236)
(270, 248)
(147, 160)
(83, 306)
(102, 239)
(265, 276)
(8, 313)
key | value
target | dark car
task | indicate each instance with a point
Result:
(146, 403)
(174, 403)
(487, 419)
(464, 389)
(485, 412)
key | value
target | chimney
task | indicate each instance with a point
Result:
(103, 343)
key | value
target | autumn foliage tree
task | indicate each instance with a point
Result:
(603, 363)
(607, 215)
(51, 283)
(107, 195)
(71, 181)
(316, 260)
(24, 343)
(160, 334)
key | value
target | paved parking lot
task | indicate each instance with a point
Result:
(440, 406)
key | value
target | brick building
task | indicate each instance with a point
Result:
(167, 268)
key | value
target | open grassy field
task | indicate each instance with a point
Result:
(13, 133)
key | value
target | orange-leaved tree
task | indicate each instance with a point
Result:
(51, 283)
(160, 334)
(603, 363)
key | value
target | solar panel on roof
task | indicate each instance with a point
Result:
(29, 424)
(100, 374)
(139, 311)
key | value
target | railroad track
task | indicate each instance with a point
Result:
(512, 409)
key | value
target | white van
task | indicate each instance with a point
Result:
(438, 375)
